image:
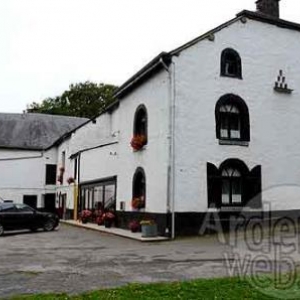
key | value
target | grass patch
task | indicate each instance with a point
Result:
(226, 288)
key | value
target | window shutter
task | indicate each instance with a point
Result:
(245, 128)
(254, 189)
(218, 124)
(213, 186)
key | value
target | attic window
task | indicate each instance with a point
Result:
(231, 65)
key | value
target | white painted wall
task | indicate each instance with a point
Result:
(23, 173)
(119, 159)
(154, 159)
(274, 118)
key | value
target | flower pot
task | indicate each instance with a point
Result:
(84, 221)
(149, 230)
(107, 223)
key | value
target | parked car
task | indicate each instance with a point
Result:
(15, 216)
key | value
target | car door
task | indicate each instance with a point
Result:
(9, 216)
(26, 216)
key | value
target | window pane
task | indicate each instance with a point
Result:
(109, 196)
(225, 191)
(236, 191)
(234, 122)
(235, 134)
(98, 197)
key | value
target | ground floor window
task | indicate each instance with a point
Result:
(233, 184)
(139, 190)
(99, 195)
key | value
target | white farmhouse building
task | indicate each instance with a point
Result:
(28, 159)
(210, 126)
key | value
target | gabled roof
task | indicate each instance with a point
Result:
(34, 131)
(165, 58)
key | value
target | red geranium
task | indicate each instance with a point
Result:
(138, 142)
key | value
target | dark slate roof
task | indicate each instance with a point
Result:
(165, 58)
(34, 131)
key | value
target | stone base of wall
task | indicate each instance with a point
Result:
(225, 221)
(162, 220)
(193, 224)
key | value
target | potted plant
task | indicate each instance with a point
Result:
(108, 219)
(134, 226)
(98, 216)
(85, 216)
(70, 180)
(60, 179)
(138, 202)
(138, 142)
(149, 228)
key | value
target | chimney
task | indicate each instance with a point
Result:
(268, 7)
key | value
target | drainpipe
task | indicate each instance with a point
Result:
(78, 180)
(171, 163)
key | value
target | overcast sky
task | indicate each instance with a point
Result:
(47, 44)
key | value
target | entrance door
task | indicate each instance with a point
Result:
(62, 206)
(30, 200)
(50, 203)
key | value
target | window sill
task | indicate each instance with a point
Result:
(140, 150)
(234, 143)
(232, 76)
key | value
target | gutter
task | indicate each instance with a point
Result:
(171, 163)
(23, 157)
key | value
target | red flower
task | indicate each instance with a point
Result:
(70, 180)
(138, 202)
(108, 216)
(138, 142)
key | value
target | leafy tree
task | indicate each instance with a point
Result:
(80, 100)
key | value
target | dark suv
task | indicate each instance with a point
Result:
(14, 216)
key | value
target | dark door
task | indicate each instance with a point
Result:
(62, 206)
(30, 200)
(50, 203)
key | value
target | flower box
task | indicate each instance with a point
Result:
(149, 228)
(138, 202)
(138, 142)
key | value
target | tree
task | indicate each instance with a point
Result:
(81, 100)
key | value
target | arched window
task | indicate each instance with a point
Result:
(232, 119)
(139, 189)
(140, 130)
(233, 184)
(231, 65)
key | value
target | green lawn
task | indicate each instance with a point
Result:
(228, 288)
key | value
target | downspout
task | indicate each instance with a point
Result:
(78, 180)
(171, 163)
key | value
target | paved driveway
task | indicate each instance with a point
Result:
(74, 260)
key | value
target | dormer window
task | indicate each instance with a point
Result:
(232, 119)
(231, 65)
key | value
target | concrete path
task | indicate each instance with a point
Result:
(75, 260)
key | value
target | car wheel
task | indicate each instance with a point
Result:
(1, 230)
(49, 225)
